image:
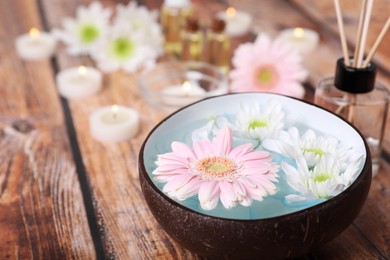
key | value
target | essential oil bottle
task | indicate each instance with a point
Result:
(192, 41)
(218, 45)
(173, 16)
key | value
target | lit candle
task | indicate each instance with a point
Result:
(182, 95)
(302, 39)
(237, 23)
(35, 45)
(79, 82)
(114, 124)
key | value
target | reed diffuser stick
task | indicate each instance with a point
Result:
(377, 42)
(366, 23)
(342, 33)
(359, 32)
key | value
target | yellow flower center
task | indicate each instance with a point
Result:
(89, 33)
(321, 177)
(257, 123)
(266, 76)
(316, 151)
(216, 168)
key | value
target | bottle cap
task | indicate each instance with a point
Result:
(192, 24)
(218, 25)
(355, 80)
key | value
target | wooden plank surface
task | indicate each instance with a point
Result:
(42, 215)
(128, 229)
(45, 215)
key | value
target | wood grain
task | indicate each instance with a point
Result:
(39, 190)
(42, 215)
(128, 229)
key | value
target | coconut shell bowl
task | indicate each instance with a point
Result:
(254, 176)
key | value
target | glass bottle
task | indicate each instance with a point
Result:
(355, 95)
(173, 16)
(218, 45)
(192, 41)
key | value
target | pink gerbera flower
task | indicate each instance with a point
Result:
(215, 171)
(269, 66)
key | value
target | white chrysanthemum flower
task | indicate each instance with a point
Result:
(310, 146)
(81, 34)
(258, 123)
(139, 18)
(324, 181)
(124, 48)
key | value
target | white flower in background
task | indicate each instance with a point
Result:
(324, 181)
(310, 146)
(124, 48)
(139, 18)
(81, 33)
(259, 123)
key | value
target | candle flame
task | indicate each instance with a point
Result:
(299, 33)
(82, 70)
(34, 33)
(186, 87)
(231, 12)
(114, 110)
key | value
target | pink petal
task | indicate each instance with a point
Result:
(228, 196)
(210, 204)
(177, 182)
(240, 150)
(207, 191)
(256, 155)
(222, 143)
(202, 149)
(189, 189)
(182, 150)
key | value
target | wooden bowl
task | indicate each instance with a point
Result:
(279, 237)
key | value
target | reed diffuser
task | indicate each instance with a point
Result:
(353, 93)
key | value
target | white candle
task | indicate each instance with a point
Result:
(79, 82)
(182, 95)
(114, 124)
(177, 3)
(237, 23)
(302, 39)
(35, 45)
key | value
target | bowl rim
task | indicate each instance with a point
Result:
(363, 173)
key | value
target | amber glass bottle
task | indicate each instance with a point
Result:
(218, 45)
(173, 16)
(192, 40)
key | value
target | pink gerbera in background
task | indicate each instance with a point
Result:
(269, 66)
(216, 171)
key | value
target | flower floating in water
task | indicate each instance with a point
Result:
(270, 66)
(258, 123)
(216, 171)
(324, 181)
(90, 25)
(310, 146)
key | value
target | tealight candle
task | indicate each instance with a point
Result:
(79, 82)
(35, 45)
(302, 39)
(237, 23)
(182, 95)
(114, 124)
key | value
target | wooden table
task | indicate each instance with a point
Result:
(64, 195)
